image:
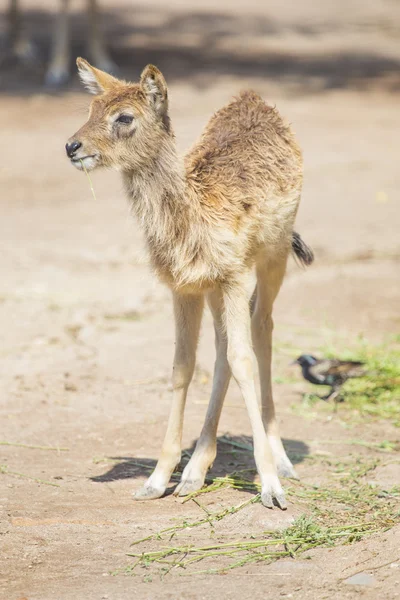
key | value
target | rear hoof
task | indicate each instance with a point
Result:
(286, 469)
(280, 501)
(188, 486)
(148, 492)
(273, 494)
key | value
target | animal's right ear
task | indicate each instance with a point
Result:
(95, 81)
(155, 87)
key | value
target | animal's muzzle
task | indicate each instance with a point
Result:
(72, 147)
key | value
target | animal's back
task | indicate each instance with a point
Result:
(246, 149)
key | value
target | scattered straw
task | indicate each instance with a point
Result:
(384, 446)
(18, 445)
(343, 512)
(90, 181)
(6, 471)
(188, 524)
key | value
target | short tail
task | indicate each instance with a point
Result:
(301, 251)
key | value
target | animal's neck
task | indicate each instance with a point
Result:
(168, 208)
(157, 192)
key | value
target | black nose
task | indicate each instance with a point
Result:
(72, 148)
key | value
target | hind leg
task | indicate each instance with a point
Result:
(17, 44)
(58, 70)
(269, 280)
(96, 47)
(241, 361)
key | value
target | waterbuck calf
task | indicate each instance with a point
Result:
(229, 206)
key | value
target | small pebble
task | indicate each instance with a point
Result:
(70, 387)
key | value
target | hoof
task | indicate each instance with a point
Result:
(286, 469)
(188, 486)
(148, 493)
(273, 494)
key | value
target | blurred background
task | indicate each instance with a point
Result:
(87, 332)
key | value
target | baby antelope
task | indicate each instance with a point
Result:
(210, 218)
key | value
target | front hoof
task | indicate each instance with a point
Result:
(188, 486)
(148, 493)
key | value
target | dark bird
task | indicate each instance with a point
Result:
(332, 372)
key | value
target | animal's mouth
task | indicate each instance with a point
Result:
(88, 162)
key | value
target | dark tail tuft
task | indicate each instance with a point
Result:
(302, 252)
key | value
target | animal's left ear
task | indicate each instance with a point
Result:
(153, 84)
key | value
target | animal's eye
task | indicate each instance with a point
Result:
(125, 119)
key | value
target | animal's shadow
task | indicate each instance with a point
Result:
(234, 456)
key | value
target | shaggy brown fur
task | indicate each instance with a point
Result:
(208, 220)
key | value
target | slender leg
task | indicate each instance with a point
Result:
(96, 47)
(188, 311)
(13, 18)
(333, 394)
(20, 45)
(241, 361)
(14, 24)
(206, 448)
(58, 70)
(269, 280)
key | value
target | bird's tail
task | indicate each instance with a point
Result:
(301, 251)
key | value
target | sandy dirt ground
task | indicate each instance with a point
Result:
(87, 332)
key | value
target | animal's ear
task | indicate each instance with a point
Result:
(95, 81)
(154, 85)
